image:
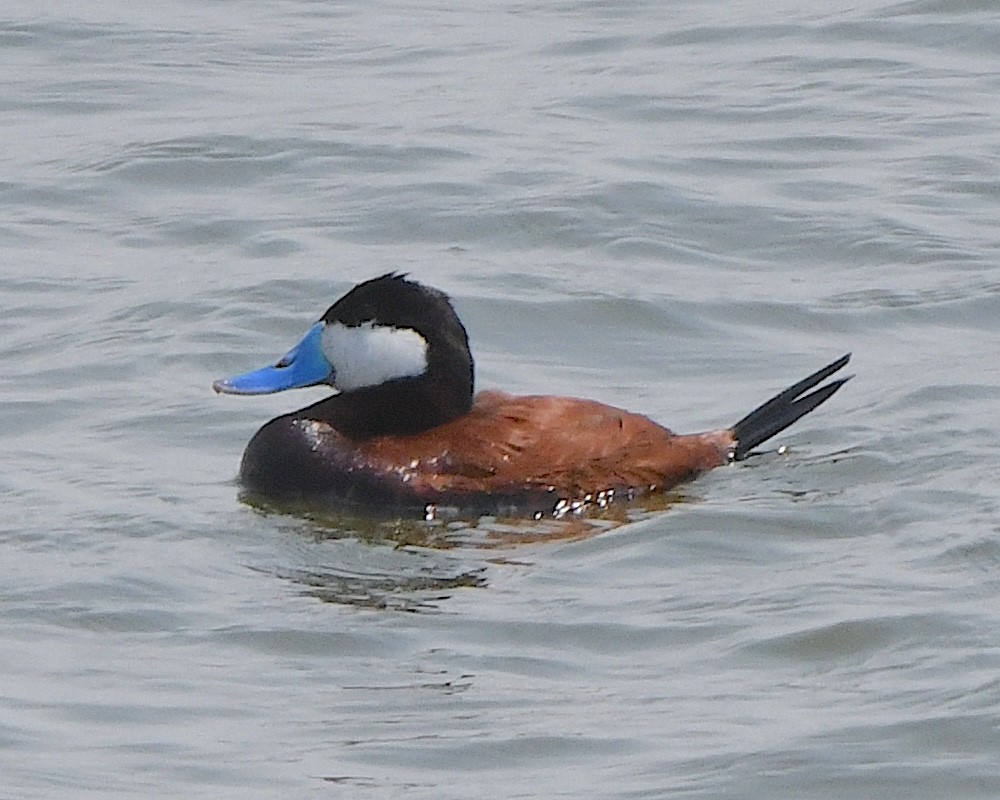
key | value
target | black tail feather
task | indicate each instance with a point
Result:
(783, 409)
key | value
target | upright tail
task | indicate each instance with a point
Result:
(783, 409)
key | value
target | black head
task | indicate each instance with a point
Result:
(401, 358)
(394, 349)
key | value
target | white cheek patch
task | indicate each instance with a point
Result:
(369, 354)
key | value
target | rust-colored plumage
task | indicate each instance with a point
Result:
(509, 445)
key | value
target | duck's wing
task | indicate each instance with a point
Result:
(570, 446)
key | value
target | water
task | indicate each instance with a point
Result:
(675, 207)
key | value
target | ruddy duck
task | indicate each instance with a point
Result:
(406, 435)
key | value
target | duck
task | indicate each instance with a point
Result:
(405, 434)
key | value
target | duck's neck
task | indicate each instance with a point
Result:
(398, 408)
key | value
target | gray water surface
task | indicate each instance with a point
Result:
(679, 208)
